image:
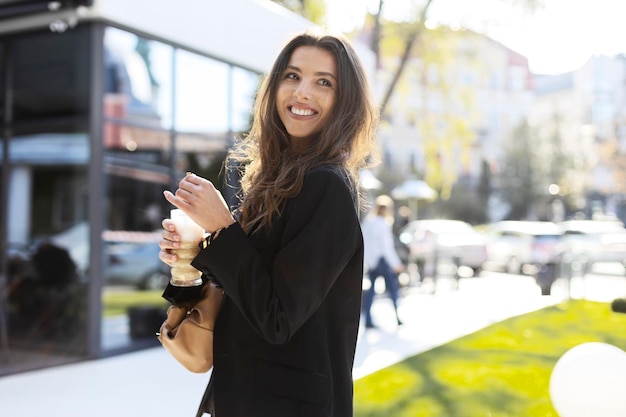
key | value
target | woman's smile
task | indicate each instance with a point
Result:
(301, 112)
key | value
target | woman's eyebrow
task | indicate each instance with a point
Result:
(318, 74)
(293, 67)
(326, 74)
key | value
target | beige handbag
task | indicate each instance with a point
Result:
(187, 333)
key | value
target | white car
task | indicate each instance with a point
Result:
(513, 244)
(594, 241)
(441, 240)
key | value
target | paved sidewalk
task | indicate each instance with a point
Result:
(151, 384)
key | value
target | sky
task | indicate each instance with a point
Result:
(558, 38)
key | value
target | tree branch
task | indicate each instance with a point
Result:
(411, 39)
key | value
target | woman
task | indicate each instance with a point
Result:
(290, 260)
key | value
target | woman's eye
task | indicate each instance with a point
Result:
(325, 83)
(291, 76)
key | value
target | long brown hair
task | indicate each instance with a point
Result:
(272, 172)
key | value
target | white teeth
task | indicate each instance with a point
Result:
(302, 112)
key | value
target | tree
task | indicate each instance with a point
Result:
(433, 105)
(570, 164)
(313, 10)
(520, 180)
(484, 190)
(416, 28)
(404, 55)
(535, 158)
(412, 35)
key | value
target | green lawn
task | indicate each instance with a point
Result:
(500, 371)
(117, 302)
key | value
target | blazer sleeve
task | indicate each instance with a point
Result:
(321, 234)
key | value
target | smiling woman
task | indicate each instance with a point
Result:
(290, 258)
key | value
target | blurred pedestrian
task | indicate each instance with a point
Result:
(290, 258)
(403, 217)
(380, 256)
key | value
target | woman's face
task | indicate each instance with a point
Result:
(306, 93)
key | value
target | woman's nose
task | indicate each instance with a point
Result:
(302, 92)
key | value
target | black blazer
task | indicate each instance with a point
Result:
(285, 337)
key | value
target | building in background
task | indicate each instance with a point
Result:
(103, 105)
(461, 96)
(464, 97)
(586, 108)
(477, 82)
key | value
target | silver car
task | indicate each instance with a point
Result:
(592, 241)
(514, 245)
(435, 241)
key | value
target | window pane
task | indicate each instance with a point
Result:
(2, 82)
(138, 79)
(202, 155)
(48, 249)
(201, 94)
(46, 262)
(137, 147)
(136, 169)
(51, 74)
(245, 84)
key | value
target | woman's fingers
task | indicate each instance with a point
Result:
(168, 224)
(175, 201)
(169, 234)
(167, 245)
(166, 256)
(199, 198)
(168, 242)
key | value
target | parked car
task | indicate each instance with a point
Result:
(132, 258)
(513, 245)
(431, 242)
(590, 241)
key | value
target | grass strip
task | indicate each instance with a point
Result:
(502, 370)
(116, 303)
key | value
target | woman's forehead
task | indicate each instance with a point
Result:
(313, 58)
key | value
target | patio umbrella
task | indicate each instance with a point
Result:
(413, 191)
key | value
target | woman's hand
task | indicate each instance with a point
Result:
(201, 201)
(168, 242)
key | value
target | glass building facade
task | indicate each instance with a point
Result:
(95, 123)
